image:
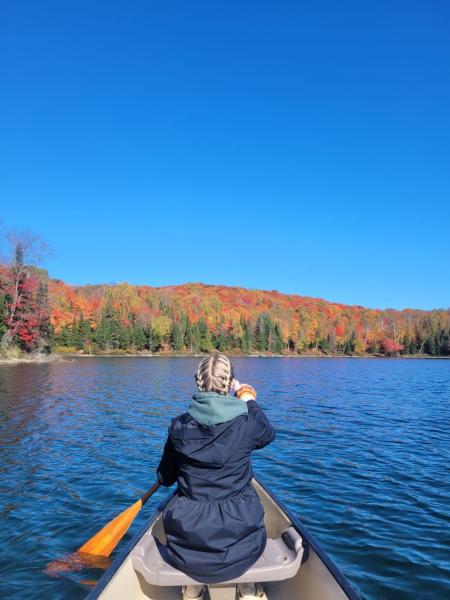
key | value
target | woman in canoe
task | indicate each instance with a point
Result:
(215, 524)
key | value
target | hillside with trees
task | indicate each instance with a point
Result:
(194, 318)
(38, 314)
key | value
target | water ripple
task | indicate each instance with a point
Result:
(361, 456)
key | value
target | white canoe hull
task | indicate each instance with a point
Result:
(317, 578)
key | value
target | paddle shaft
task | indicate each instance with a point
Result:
(150, 492)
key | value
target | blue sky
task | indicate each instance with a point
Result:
(303, 147)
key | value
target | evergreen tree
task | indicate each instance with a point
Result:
(412, 346)
(260, 335)
(62, 338)
(139, 339)
(125, 340)
(246, 339)
(373, 347)
(445, 347)
(350, 343)
(324, 345)
(205, 339)
(219, 341)
(188, 337)
(277, 343)
(230, 339)
(76, 337)
(430, 345)
(110, 333)
(263, 331)
(154, 341)
(176, 338)
(85, 330)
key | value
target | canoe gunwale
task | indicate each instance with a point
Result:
(308, 539)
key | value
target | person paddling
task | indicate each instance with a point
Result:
(214, 525)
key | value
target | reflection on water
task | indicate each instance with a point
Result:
(361, 457)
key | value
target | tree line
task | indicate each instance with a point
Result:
(177, 333)
(41, 315)
(171, 333)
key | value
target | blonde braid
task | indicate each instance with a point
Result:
(215, 374)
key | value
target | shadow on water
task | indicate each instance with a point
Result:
(361, 456)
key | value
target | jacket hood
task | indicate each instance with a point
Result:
(209, 432)
(210, 408)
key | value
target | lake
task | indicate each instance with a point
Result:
(362, 457)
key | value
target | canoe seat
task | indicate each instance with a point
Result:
(281, 559)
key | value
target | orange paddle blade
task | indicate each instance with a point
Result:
(76, 562)
(94, 552)
(104, 542)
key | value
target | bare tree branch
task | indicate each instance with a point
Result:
(33, 247)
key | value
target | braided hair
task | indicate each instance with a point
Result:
(215, 374)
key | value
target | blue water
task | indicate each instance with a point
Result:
(361, 457)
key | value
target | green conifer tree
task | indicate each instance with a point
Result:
(205, 338)
(75, 338)
(109, 333)
(154, 342)
(246, 339)
(276, 338)
(139, 339)
(176, 337)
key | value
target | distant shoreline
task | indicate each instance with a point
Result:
(174, 355)
(32, 359)
(56, 357)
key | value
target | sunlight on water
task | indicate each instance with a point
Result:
(361, 456)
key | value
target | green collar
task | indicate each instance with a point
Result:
(210, 408)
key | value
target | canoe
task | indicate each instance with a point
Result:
(293, 566)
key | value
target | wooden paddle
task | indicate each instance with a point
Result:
(101, 545)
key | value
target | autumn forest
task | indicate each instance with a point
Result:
(42, 314)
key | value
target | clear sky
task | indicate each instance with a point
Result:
(297, 146)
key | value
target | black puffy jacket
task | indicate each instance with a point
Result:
(215, 523)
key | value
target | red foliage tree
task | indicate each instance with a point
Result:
(27, 313)
(389, 346)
